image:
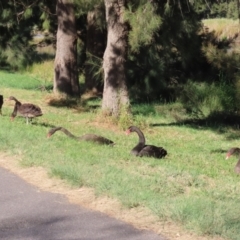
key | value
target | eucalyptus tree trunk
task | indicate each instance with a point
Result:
(65, 66)
(115, 93)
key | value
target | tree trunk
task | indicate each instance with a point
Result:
(65, 66)
(115, 94)
(96, 44)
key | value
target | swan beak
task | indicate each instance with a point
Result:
(127, 132)
(48, 135)
(12, 118)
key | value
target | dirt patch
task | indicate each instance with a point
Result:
(138, 217)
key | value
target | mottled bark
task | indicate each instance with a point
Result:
(66, 74)
(115, 94)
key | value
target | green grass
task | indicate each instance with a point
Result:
(222, 28)
(21, 81)
(194, 185)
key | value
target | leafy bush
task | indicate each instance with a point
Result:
(202, 99)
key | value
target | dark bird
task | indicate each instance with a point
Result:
(1, 103)
(141, 149)
(87, 137)
(27, 110)
(234, 151)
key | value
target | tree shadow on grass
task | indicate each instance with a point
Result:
(42, 124)
(77, 105)
(63, 102)
(220, 122)
(41, 57)
(144, 109)
(220, 150)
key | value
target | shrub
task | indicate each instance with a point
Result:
(202, 99)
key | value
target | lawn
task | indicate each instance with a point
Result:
(193, 185)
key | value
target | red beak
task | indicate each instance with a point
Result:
(127, 132)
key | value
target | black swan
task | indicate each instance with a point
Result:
(1, 103)
(87, 137)
(234, 151)
(145, 150)
(27, 110)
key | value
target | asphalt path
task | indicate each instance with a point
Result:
(27, 213)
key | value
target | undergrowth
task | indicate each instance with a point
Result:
(203, 99)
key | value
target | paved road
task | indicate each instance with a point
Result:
(27, 213)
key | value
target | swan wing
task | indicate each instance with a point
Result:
(152, 151)
(97, 139)
(30, 110)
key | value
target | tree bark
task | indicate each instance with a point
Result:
(65, 66)
(115, 93)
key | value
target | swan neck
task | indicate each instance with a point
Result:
(140, 136)
(14, 113)
(16, 102)
(69, 134)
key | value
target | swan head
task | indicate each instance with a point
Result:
(130, 130)
(50, 133)
(12, 98)
(232, 151)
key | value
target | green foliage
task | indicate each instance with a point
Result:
(203, 99)
(14, 39)
(173, 53)
(46, 18)
(181, 50)
(142, 28)
(83, 6)
(226, 63)
(18, 55)
(213, 9)
(6, 14)
(17, 22)
(95, 67)
(28, 13)
(46, 21)
(46, 24)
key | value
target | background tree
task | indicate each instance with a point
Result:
(169, 51)
(145, 65)
(158, 57)
(16, 22)
(65, 65)
(115, 93)
(18, 19)
(216, 9)
(95, 46)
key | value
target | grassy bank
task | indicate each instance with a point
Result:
(194, 185)
(222, 28)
